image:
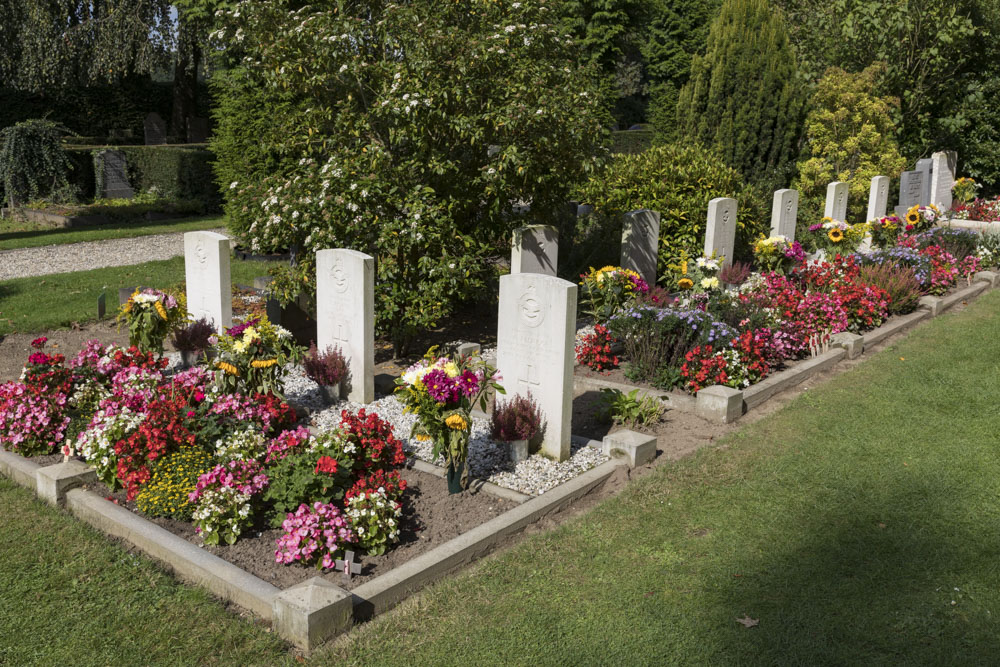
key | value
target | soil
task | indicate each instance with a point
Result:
(431, 517)
(16, 348)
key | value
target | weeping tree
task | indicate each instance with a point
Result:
(744, 98)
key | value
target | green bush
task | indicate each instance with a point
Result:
(678, 181)
(32, 161)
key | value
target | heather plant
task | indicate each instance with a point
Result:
(897, 281)
(314, 534)
(325, 368)
(195, 337)
(374, 520)
(517, 418)
(174, 478)
(902, 256)
(735, 273)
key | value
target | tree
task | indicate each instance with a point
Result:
(744, 98)
(851, 137)
(408, 131)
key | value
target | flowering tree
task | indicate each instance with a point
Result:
(410, 131)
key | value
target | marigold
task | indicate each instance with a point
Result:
(422, 437)
(836, 235)
(685, 283)
(456, 422)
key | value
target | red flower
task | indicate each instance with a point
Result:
(39, 342)
(326, 464)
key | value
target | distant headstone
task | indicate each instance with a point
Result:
(206, 273)
(720, 232)
(640, 243)
(926, 168)
(535, 249)
(911, 187)
(114, 176)
(784, 210)
(102, 304)
(197, 130)
(836, 201)
(878, 198)
(943, 178)
(535, 336)
(124, 293)
(345, 316)
(155, 129)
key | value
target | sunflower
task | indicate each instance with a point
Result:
(685, 283)
(263, 363)
(913, 215)
(836, 235)
(227, 367)
(456, 422)
(160, 310)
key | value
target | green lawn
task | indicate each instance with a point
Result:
(858, 525)
(17, 234)
(29, 305)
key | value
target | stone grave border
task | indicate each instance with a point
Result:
(722, 404)
(314, 611)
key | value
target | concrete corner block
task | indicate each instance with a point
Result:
(637, 448)
(52, 482)
(719, 404)
(932, 304)
(312, 612)
(991, 277)
(853, 343)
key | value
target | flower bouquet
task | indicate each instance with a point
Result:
(442, 393)
(921, 218)
(836, 237)
(252, 356)
(700, 275)
(965, 189)
(885, 231)
(778, 253)
(151, 315)
(607, 290)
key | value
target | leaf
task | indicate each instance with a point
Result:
(748, 622)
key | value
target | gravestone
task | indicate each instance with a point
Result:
(911, 187)
(926, 168)
(720, 232)
(784, 210)
(155, 129)
(206, 272)
(535, 336)
(836, 201)
(197, 130)
(943, 179)
(345, 316)
(114, 177)
(640, 243)
(878, 198)
(535, 249)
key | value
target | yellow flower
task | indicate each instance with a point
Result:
(161, 311)
(710, 283)
(685, 283)
(451, 369)
(684, 267)
(836, 235)
(422, 437)
(456, 422)
(227, 367)
(263, 363)
(913, 215)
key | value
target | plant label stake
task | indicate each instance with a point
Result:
(347, 566)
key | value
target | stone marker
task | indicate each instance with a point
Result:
(720, 232)
(535, 336)
(784, 210)
(309, 613)
(535, 249)
(206, 272)
(124, 293)
(943, 179)
(878, 198)
(926, 168)
(345, 316)
(114, 176)
(910, 188)
(155, 129)
(197, 130)
(102, 304)
(836, 201)
(640, 243)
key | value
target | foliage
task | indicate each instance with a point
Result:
(252, 357)
(32, 161)
(224, 499)
(173, 479)
(372, 153)
(957, 241)
(777, 253)
(977, 134)
(885, 231)
(739, 365)
(695, 276)
(735, 273)
(310, 470)
(314, 533)
(174, 173)
(326, 369)
(518, 418)
(744, 97)
(964, 190)
(630, 409)
(678, 181)
(607, 290)
(151, 315)
(374, 520)
(194, 337)
(594, 349)
(378, 448)
(850, 134)
(834, 236)
(898, 282)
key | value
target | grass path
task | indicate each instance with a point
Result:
(858, 525)
(24, 234)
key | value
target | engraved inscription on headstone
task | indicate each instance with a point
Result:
(114, 175)
(911, 186)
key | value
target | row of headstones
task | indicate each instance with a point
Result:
(535, 337)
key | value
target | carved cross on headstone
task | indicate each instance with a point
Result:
(340, 335)
(530, 378)
(348, 565)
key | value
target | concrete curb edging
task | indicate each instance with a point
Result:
(756, 394)
(19, 469)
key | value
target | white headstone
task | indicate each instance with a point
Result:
(345, 316)
(926, 168)
(878, 198)
(535, 336)
(206, 274)
(720, 233)
(911, 185)
(784, 211)
(641, 242)
(942, 179)
(535, 249)
(836, 201)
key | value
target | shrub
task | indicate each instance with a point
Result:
(378, 447)
(678, 181)
(897, 281)
(518, 418)
(325, 369)
(594, 349)
(174, 478)
(960, 243)
(607, 290)
(32, 161)
(317, 469)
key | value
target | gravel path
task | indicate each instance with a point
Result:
(28, 262)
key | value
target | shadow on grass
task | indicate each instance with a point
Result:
(55, 233)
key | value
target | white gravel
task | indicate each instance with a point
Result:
(87, 255)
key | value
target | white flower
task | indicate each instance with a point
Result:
(233, 185)
(343, 68)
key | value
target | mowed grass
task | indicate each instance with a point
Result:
(43, 303)
(858, 525)
(16, 234)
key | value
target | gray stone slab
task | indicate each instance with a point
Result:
(19, 469)
(911, 188)
(932, 304)
(636, 448)
(114, 175)
(345, 316)
(836, 201)
(641, 243)
(894, 326)
(925, 167)
(719, 404)
(535, 249)
(990, 277)
(207, 278)
(853, 343)
(951, 300)
(878, 198)
(312, 612)
(943, 167)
